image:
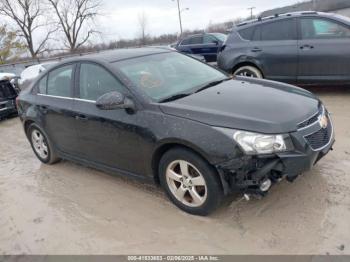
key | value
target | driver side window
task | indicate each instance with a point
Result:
(96, 81)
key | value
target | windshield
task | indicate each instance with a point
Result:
(164, 75)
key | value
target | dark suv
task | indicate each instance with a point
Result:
(306, 48)
(206, 45)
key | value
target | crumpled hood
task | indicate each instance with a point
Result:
(247, 104)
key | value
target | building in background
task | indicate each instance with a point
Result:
(341, 7)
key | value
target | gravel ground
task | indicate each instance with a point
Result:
(70, 209)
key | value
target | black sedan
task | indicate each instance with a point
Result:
(162, 116)
(203, 45)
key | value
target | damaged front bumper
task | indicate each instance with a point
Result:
(256, 174)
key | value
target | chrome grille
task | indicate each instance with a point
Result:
(321, 138)
(312, 119)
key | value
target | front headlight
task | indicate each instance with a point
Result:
(254, 143)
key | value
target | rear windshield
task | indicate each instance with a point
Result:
(247, 33)
(6, 90)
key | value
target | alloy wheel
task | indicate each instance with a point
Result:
(39, 144)
(246, 73)
(186, 183)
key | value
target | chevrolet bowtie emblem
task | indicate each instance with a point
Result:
(323, 121)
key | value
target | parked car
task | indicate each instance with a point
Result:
(206, 45)
(31, 72)
(162, 116)
(13, 78)
(8, 94)
(305, 48)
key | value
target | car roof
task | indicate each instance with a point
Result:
(202, 34)
(122, 54)
(277, 17)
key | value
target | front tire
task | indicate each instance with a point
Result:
(248, 71)
(41, 145)
(190, 182)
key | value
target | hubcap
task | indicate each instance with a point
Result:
(246, 73)
(186, 183)
(39, 144)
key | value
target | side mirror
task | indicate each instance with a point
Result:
(216, 42)
(114, 100)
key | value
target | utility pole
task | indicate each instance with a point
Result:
(180, 11)
(251, 11)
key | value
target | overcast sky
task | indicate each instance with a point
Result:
(120, 18)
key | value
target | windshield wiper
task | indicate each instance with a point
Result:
(174, 97)
(181, 95)
(211, 84)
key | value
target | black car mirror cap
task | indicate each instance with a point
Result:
(114, 100)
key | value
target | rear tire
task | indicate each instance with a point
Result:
(248, 71)
(190, 182)
(41, 145)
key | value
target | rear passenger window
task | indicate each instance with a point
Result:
(185, 41)
(316, 28)
(96, 81)
(257, 34)
(59, 81)
(280, 30)
(196, 40)
(247, 33)
(42, 85)
(208, 39)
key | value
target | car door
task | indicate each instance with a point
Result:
(196, 45)
(54, 105)
(274, 47)
(106, 137)
(324, 51)
(210, 48)
(184, 46)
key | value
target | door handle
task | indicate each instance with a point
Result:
(256, 49)
(306, 47)
(81, 118)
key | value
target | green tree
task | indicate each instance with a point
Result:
(10, 46)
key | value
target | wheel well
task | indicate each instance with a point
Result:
(27, 125)
(246, 64)
(162, 150)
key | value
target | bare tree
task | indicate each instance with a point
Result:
(10, 46)
(74, 17)
(28, 17)
(143, 23)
